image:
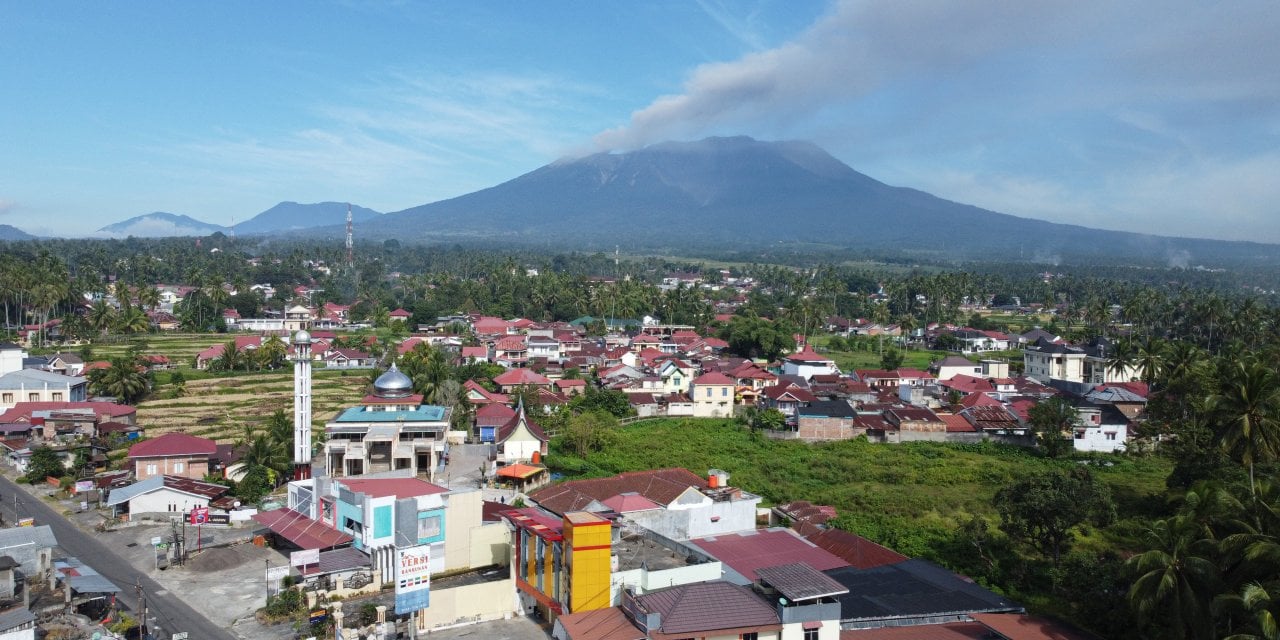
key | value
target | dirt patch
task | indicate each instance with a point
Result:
(223, 558)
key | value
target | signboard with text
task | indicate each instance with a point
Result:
(304, 557)
(413, 579)
(199, 515)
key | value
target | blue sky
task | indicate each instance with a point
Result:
(1096, 113)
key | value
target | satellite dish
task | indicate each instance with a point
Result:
(235, 505)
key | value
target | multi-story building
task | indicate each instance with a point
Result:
(391, 430)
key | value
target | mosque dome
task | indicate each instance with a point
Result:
(393, 384)
(302, 337)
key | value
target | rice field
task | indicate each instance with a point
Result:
(220, 408)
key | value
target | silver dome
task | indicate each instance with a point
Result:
(393, 384)
(302, 337)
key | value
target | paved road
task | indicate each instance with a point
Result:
(170, 613)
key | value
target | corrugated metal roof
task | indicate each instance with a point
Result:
(798, 581)
(747, 552)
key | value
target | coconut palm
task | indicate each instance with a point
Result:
(1256, 608)
(231, 359)
(132, 320)
(149, 297)
(265, 453)
(125, 379)
(102, 316)
(1122, 357)
(1246, 411)
(1176, 579)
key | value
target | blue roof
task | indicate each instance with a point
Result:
(423, 413)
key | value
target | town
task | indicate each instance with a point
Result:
(647, 452)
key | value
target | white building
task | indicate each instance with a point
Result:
(806, 363)
(33, 385)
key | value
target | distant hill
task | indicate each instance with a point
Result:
(729, 192)
(160, 225)
(291, 216)
(10, 233)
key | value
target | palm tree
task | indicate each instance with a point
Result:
(1150, 360)
(263, 452)
(149, 297)
(102, 316)
(232, 358)
(1176, 579)
(1246, 411)
(1254, 605)
(271, 353)
(124, 379)
(133, 320)
(1121, 358)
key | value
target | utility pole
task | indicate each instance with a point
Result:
(142, 606)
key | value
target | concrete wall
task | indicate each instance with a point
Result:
(195, 468)
(462, 516)
(642, 581)
(1095, 438)
(795, 631)
(490, 545)
(684, 523)
(824, 428)
(161, 500)
(471, 604)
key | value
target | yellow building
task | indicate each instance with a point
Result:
(562, 565)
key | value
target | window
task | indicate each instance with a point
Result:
(1079, 435)
(428, 527)
(57, 396)
(1111, 435)
(708, 393)
(179, 467)
(8, 398)
(33, 397)
(749, 636)
(724, 391)
(811, 634)
(151, 469)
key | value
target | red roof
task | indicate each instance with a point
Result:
(21, 412)
(629, 502)
(514, 377)
(301, 530)
(660, 485)
(1021, 627)
(858, 551)
(968, 384)
(956, 424)
(979, 400)
(509, 428)
(714, 377)
(475, 352)
(400, 313)
(767, 548)
(807, 354)
(494, 415)
(398, 487)
(173, 444)
(945, 631)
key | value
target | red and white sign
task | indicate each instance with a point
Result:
(199, 515)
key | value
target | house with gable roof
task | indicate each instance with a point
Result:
(713, 395)
(807, 363)
(173, 454)
(520, 439)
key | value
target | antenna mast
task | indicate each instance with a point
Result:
(350, 261)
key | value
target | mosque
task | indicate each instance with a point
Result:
(391, 430)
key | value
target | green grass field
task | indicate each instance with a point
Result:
(911, 497)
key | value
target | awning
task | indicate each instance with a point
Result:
(301, 530)
(520, 471)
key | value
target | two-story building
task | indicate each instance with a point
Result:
(713, 395)
(391, 430)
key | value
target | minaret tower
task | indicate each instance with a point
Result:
(350, 260)
(302, 406)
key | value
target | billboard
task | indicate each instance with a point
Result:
(413, 578)
(304, 557)
(199, 515)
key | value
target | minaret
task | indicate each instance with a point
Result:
(302, 406)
